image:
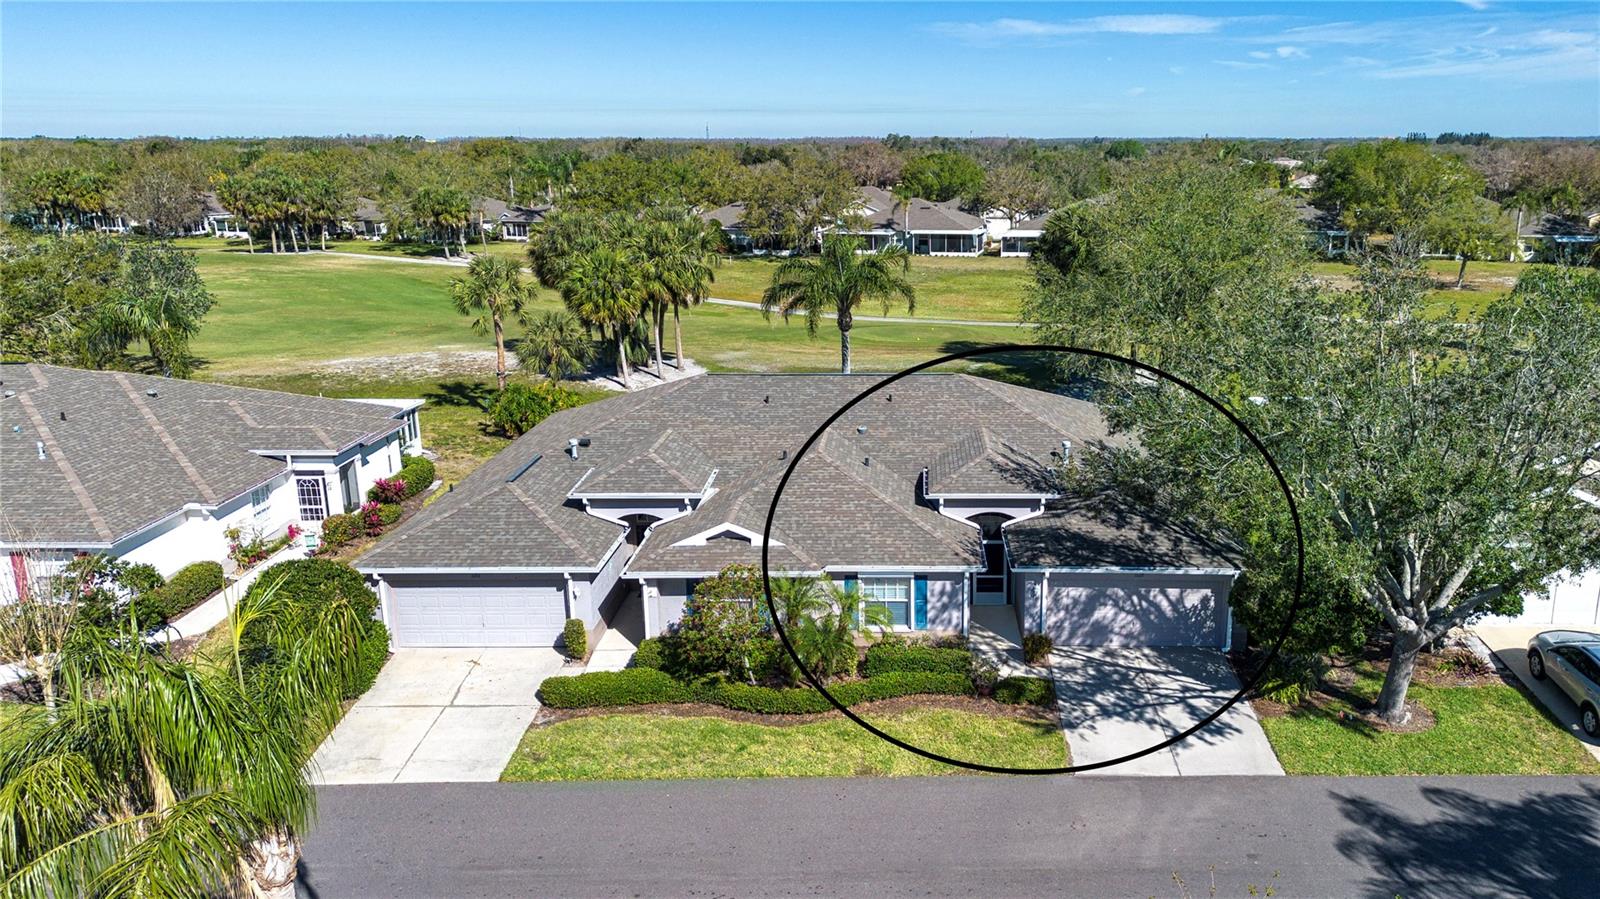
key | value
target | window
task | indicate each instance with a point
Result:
(313, 496)
(260, 501)
(892, 594)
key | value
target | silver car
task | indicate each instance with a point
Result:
(1571, 660)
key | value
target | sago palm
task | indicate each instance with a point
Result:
(836, 282)
(493, 291)
(159, 776)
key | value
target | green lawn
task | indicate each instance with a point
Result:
(647, 747)
(1485, 282)
(1491, 729)
(986, 288)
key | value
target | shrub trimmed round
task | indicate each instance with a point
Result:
(389, 513)
(337, 530)
(417, 472)
(1036, 648)
(575, 637)
(650, 654)
(1025, 691)
(883, 658)
(603, 689)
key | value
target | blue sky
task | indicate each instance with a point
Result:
(789, 70)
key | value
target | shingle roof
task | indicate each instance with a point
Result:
(367, 210)
(1318, 219)
(1109, 532)
(132, 449)
(838, 509)
(1549, 224)
(882, 211)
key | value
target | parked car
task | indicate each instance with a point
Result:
(1571, 660)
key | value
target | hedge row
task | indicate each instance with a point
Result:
(1025, 691)
(373, 653)
(192, 585)
(883, 658)
(418, 474)
(642, 686)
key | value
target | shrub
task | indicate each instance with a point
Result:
(630, 686)
(985, 677)
(388, 490)
(718, 628)
(192, 585)
(519, 407)
(371, 519)
(315, 582)
(417, 473)
(1036, 648)
(883, 658)
(576, 638)
(389, 513)
(804, 700)
(370, 657)
(141, 577)
(1025, 691)
(652, 653)
(1292, 678)
(337, 530)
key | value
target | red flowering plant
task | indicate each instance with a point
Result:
(387, 490)
(371, 519)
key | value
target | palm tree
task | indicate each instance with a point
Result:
(824, 621)
(837, 281)
(697, 257)
(903, 194)
(494, 291)
(603, 288)
(164, 776)
(556, 345)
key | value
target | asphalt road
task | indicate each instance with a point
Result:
(962, 836)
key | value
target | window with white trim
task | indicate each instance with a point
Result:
(891, 593)
(261, 502)
(313, 494)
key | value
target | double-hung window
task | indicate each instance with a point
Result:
(313, 494)
(893, 594)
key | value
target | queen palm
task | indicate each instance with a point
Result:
(603, 288)
(836, 281)
(493, 291)
(162, 776)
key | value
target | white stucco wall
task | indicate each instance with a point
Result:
(1570, 599)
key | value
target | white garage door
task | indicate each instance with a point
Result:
(477, 616)
(1137, 610)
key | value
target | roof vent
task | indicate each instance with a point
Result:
(783, 454)
(10, 393)
(891, 397)
(63, 416)
(39, 444)
(867, 461)
(861, 429)
(572, 446)
(150, 392)
(767, 398)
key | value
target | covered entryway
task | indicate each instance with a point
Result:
(480, 610)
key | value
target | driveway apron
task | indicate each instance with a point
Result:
(1114, 701)
(437, 715)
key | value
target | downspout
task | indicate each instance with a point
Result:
(1044, 597)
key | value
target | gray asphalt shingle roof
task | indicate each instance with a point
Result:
(838, 510)
(122, 450)
(1109, 532)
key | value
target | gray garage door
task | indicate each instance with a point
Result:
(1137, 610)
(477, 616)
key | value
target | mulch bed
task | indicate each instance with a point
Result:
(883, 707)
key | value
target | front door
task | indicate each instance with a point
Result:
(989, 585)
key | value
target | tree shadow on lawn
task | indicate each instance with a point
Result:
(1543, 844)
(466, 394)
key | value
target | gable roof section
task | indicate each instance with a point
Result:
(133, 449)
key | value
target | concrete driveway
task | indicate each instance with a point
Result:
(438, 715)
(1509, 644)
(1114, 701)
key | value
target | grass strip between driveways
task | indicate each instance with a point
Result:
(652, 747)
(1491, 729)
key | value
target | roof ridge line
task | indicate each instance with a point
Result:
(165, 437)
(988, 386)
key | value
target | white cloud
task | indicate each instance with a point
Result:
(1291, 52)
(1000, 30)
(1134, 91)
(1260, 54)
(1474, 4)
(1176, 70)
(1241, 64)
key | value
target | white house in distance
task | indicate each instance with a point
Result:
(922, 226)
(155, 470)
(1018, 239)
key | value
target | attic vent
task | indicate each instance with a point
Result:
(39, 445)
(572, 446)
(10, 393)
(150, 392)
(730, 536)
(767, 398)
(782, 455)
(523, 470)
(861, 429)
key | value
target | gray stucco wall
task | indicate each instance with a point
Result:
(665, 605)
(944, 602)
